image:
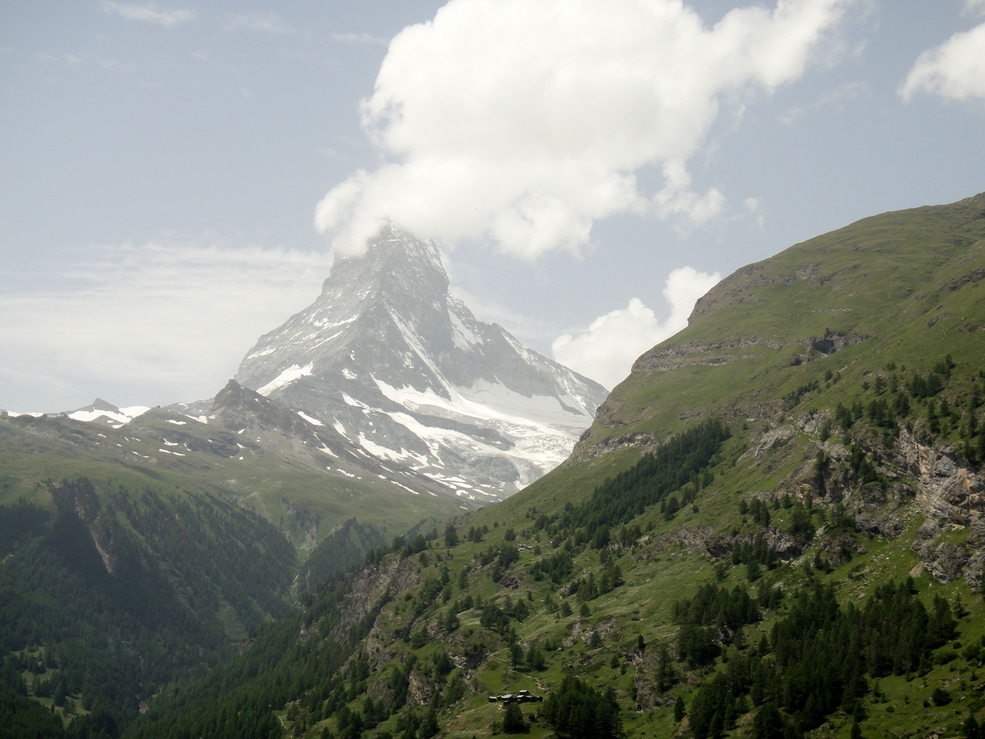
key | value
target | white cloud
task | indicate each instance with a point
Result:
(259, 21)
(606, 350)
(753, 207)
(975, 6)
(148, 13)
(175, 319)
(955, 69)
(358, 38)
(525, 122)
(838, 98)
(78, 60)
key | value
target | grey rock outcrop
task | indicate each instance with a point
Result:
(947, 491)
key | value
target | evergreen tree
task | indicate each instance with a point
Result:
(513, 721)
(680, 710)
(578, 711)
(768, 723)
(856, 730)
(516, 656)
(970, 728)
(535, 658)
(429, 727)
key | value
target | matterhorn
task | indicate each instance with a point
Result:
(392, 362)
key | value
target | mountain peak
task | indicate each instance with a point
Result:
(407, 373)
(392, 243)
(101, 411)
(394, 264)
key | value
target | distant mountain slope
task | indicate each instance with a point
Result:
(406, 373)
(775, 528)
(303, 478)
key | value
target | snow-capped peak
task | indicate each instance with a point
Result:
(411, 375)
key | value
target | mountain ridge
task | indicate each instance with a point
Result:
(949, 237)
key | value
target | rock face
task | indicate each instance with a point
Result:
(948, 492)
(406, 373)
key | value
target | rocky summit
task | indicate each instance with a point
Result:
(407, 374)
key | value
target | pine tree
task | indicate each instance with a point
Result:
(768, 723)
(535, 658)
(513, 721)
(429, 727)
(971, 729)
(680, 710)
(856, 730)
(516, 656)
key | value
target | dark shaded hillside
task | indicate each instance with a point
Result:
(120, 591)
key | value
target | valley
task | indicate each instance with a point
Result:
(772, 528)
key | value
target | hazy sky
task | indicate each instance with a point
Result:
(174, 177)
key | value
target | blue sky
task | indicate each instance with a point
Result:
(175, 177)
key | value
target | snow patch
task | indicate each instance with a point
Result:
(383, 452)
(409, 490)
(490, 401)
(462, 336)
(324, 322)
(309, 419)
(120, 416)
(292, 373)
(349, 400)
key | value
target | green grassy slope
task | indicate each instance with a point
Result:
(902, 286)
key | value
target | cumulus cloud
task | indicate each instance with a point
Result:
(174, 319)
(953, 70)
(526, 122)
(167, 17)
(606, 350)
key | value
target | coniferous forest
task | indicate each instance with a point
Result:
(95, 634)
